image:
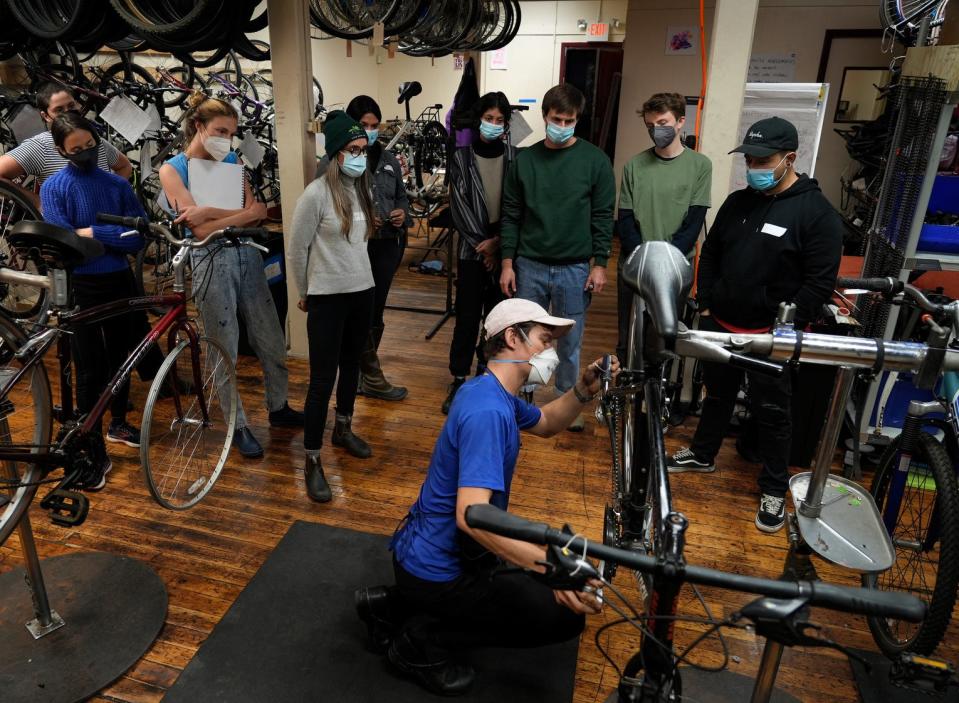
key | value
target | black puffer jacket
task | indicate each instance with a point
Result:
(763, 250)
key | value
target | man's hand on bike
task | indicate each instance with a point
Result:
(592, 377)
(579, 602)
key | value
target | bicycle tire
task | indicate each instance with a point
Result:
(930, 632)
(32, 389)
(134, 16)
(182, 410)
(430, 153)
(110, 86)
(32, 14)
(345, 26)
(17, 301)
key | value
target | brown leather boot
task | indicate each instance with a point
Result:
(373, 383)
(343, 437)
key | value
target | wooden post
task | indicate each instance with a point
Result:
(730, 47)
(949, 32)
(296, 147)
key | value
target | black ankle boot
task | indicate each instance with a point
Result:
(439, 674)
(316, 486)
(375, 607)
(343, 437)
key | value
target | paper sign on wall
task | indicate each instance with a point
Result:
(251, 150)
(216, 184)
(519, 128)
(27, 123)
(126, 118)
(772, 68)
(682, 41)
(498, 61)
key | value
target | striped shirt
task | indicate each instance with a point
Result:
(468, 205)
(38, 156)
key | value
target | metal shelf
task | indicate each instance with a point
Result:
(931, 261)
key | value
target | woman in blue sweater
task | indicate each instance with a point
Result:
(71, 199)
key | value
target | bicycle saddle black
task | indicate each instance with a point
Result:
(55, 246)
(662, 277)
(408, 91)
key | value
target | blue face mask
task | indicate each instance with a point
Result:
(491, 131)
(372, 135)
(353, 166)
(764, 178)
(559, 135)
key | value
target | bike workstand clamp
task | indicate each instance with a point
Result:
(109, 610)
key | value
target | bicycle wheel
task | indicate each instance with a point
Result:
(16, 300)
(926, 567)
(153, 269)
(183, 449)
(25, 414)
(430, 155)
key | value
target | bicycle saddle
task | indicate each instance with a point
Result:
(408, 91)
(659, 273)
(55, 246)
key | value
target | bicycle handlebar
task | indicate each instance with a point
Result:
(144, 226)
(890, 286)
(861, 601)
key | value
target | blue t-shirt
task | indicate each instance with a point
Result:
(181, 164)
(477, 448)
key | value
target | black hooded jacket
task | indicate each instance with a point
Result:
(766, 249)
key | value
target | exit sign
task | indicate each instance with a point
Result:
(598, 31)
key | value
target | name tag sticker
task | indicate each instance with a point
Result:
(774, 230)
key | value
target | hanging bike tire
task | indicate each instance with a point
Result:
(931, 472)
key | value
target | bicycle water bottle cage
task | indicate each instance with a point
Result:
(565, 570)
(67, 508)
(659, 273)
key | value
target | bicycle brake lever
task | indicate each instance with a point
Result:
(258, 246)
(565, 570)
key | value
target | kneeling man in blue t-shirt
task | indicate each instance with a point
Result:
(454, 590)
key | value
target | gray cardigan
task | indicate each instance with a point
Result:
(321, 260)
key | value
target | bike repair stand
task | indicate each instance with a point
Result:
(111, 608)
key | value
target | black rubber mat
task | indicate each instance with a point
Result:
(293, 635)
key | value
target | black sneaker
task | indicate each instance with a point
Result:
(685, 461)
(771, 515)
(287, 417)
(451, 393)
(124, 433)
(98, 480)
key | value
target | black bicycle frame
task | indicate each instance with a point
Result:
(172, 322)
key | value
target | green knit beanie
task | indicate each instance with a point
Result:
(340, 129)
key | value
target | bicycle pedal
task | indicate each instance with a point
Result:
(67, 508)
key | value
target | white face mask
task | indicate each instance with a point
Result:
(543, 363)
(218, 147)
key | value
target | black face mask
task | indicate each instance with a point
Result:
(85, 159)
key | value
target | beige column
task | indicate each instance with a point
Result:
(730, 47)
(293, 101)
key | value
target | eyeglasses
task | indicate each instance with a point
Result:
(355, 151)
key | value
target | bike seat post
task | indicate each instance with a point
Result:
(811, 505)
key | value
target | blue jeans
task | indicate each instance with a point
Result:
(230, 280)
(559, 289)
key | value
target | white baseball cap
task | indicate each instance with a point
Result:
(515, 311)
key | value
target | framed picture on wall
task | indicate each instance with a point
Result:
(682, 41)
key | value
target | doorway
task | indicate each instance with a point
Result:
(596, 68)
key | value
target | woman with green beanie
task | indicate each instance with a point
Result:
(328, 261)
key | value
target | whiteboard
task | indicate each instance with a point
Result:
(803, 104)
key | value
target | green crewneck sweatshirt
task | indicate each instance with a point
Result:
(558, 205)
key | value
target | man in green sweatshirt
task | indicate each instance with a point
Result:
(557, 225)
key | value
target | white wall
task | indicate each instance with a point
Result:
(534, 55)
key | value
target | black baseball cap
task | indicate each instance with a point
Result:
(768, 137)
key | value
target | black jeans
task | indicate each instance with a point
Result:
(385, 258)
(477, 292)
(99, 349)
(486, 607)
(336, 326)
(769, 400)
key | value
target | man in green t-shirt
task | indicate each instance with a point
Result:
(557, 225)
(664, 193)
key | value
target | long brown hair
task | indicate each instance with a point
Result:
(201, 108)
(341, 197)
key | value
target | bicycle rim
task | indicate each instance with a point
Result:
(927, 571)
(19, 301)
(182, 455)
(24, 421)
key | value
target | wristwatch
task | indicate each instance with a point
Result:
(580, 397)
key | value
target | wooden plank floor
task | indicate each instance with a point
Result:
(207, 555)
